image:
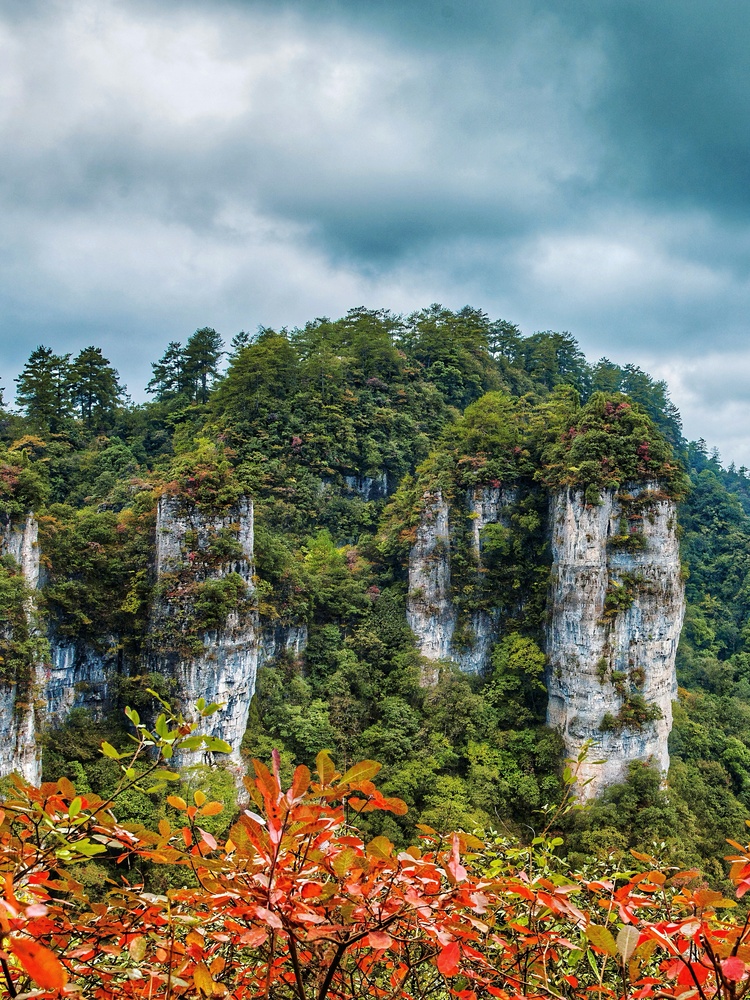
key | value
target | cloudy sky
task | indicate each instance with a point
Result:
(579, 165)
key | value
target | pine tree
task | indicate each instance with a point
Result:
(202, 354)
(169, 378)
(44, 389)
(95, 388)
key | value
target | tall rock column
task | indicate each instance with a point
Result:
(223, 666)
(616, 604)
(19, 750)
(430, 610)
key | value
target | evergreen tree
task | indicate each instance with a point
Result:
(202, 354)
(169, 377)
(44, 389)
(95, 388)
(239, 342)
(504, 340)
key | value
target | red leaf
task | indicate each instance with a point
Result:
(733, 968)
(40, 963)
(449, 958)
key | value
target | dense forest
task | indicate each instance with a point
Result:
(333, 429)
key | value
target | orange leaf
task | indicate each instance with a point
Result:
(212, 809)
(448, 959)
(40, 963)
(300, 781)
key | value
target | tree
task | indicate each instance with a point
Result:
(44, 391)
(95, 388)
(202, 354)
(169, 377)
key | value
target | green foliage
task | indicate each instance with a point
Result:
(23, 645)
(95, 390)
(203, 476)
(516, 685)
(24, 483)
(634, 714)
(97, 587)
(43, 391)
(608, 442)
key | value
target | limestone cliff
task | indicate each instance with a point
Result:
(430, 610)
(18, 713)
(615, 610)
(224, 667)
(220, 662)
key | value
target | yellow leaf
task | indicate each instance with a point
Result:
(379, 847)
(203, 980)
(137, 948)
(326, 767)
(176, 802)
(601, 938)
(365, 770)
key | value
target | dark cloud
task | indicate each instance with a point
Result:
(173, 163)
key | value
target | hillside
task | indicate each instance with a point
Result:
(255, 531)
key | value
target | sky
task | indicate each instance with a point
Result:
(579, 166)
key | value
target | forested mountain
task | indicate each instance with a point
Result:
(335, 431)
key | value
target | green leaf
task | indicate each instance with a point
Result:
(161, 726)
(109, 751)
(88, 849)
(163, 775)
(191, 743)
(74, 807)
(133, 716)
(214, 743)
(601, 938)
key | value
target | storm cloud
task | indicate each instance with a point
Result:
(580, 167)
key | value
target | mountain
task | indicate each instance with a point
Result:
(428, 540)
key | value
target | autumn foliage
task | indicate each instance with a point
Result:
(295, 904)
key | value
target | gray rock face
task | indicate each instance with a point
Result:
(226, 668)
(616, 604)
(430, 610)
(76, 677)
(368, 487)
(18, 717)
